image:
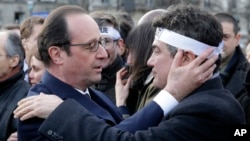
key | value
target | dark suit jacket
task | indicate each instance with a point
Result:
(237, 70)
(205, 115)
(100, 106)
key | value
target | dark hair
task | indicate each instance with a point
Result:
(139, 42)
(125, 22)
(192, 22)
(55, 31)
(104, 19)
(224, 17)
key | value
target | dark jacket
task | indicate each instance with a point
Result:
(99, 105)
(233, 78)
(245, 98)
(107, 84)
(206, 115)
(11, 91)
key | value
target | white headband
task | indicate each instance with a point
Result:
(110, 31)
(185, 43)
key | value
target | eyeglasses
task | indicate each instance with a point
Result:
(92, 47)
(110, 43)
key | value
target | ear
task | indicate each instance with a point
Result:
(14, 61)
(188, 57)
(56, 54)
(121, 46)
(238, 36)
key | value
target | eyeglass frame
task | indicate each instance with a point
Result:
(114, 41)
(101, 41)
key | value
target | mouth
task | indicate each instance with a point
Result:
(98, 68)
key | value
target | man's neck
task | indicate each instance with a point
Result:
(66, 79)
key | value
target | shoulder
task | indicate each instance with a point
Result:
(219, 104)
(37, 89)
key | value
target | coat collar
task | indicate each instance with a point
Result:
(65, 91)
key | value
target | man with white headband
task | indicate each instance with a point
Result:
(206, 114)
(109, 30)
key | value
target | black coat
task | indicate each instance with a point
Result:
(207, 114)
(11, 91)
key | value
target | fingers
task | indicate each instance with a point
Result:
(201, 58)
(207, 74)
(118, 74)
(207, 64)
(128, 83)
(22, 109)
(25, 106)
(177, 59)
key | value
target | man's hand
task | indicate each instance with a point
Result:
(182, 80)
(12, 137)
(37, 106)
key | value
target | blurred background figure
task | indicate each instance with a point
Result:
(248, 52)
(37, 67)
(12, 27)
(29, 30)
(234, 65)
(126, 23)
(139, 43)
(110, 31)
(12, 86)
(150, 15)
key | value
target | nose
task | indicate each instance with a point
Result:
(150, 61)
(31, 74)
(101, 52)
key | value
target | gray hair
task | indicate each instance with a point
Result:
(13, 47)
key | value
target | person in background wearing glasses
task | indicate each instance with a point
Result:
(109, 29)
(71, 47)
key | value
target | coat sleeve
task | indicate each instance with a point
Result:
(185, 124)
(75, 114)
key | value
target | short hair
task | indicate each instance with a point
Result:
(28, 25)
(125, 22)
(103, 18)
(193, 22)
(55, 31)
(13, 46)
(224, 17)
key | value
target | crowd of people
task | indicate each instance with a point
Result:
(177, 74)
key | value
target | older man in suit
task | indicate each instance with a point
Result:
(12, 86)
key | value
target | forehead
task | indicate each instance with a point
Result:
(227, 26)
(159, 44)
(82, 26)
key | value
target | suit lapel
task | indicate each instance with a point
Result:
(65, 91)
